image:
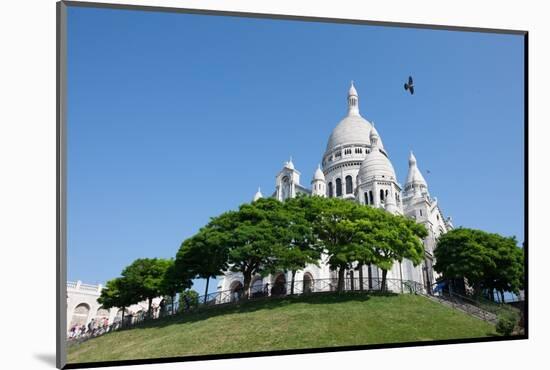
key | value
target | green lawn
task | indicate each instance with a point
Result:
(322, 320)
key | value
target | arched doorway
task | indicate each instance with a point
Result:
(279, 285)
(236, 291)
(80, 315)
(308, 283)
(257, 288)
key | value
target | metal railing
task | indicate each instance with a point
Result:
(476, 306)
(310, 286)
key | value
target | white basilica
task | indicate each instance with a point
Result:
(356, 166)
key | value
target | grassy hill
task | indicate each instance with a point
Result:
(321, 320)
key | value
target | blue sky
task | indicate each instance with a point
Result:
(175, 118)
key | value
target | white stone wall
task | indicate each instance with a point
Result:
(79, 293)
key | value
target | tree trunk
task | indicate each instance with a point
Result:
(341, 279)
(206, 290)
(502, 296)
(383, 285)
(360, 267)
(292, 282)
(150, 311)
(122, 322)
(370, 276)
(246, 286)
(173, 303)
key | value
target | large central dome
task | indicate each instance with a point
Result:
(350, 130)
(353, 129)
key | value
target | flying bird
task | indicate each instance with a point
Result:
(410, 86)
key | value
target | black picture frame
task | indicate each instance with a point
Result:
(61, 146)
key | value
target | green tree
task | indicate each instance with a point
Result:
(506, 275)
(254, 237)
(384, 238)
(116, 294)
(353, 233)
(174, 282)
(301, 246)
(397, 238)
(188, 297)
(335, 226)
(145, 279)
(488, 261)
(204, 255)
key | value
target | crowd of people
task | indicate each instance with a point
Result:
(94, 328)
(100, 325)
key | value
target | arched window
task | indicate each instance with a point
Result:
(330, 193)
(366, 198)
(338, 187)
(371, 197)
(381, 195)
(349, 185)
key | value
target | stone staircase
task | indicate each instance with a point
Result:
(464, 305)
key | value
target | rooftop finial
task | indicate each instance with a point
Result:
(353, 101)
(352, 91)
(289, 164)
(412, 159)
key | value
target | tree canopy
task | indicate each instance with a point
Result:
(145, 279)
(488, 261)
(204, 255)
(384, 238)
(174, 282)
(301, 245)
(352, 233)
(254, 236)
(116, 294)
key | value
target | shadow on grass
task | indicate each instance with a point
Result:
(270, 303)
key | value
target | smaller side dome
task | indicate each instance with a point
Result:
(376, 165)
(319, 175)
(258, 195)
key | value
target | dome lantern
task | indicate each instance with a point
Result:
(353, 101)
